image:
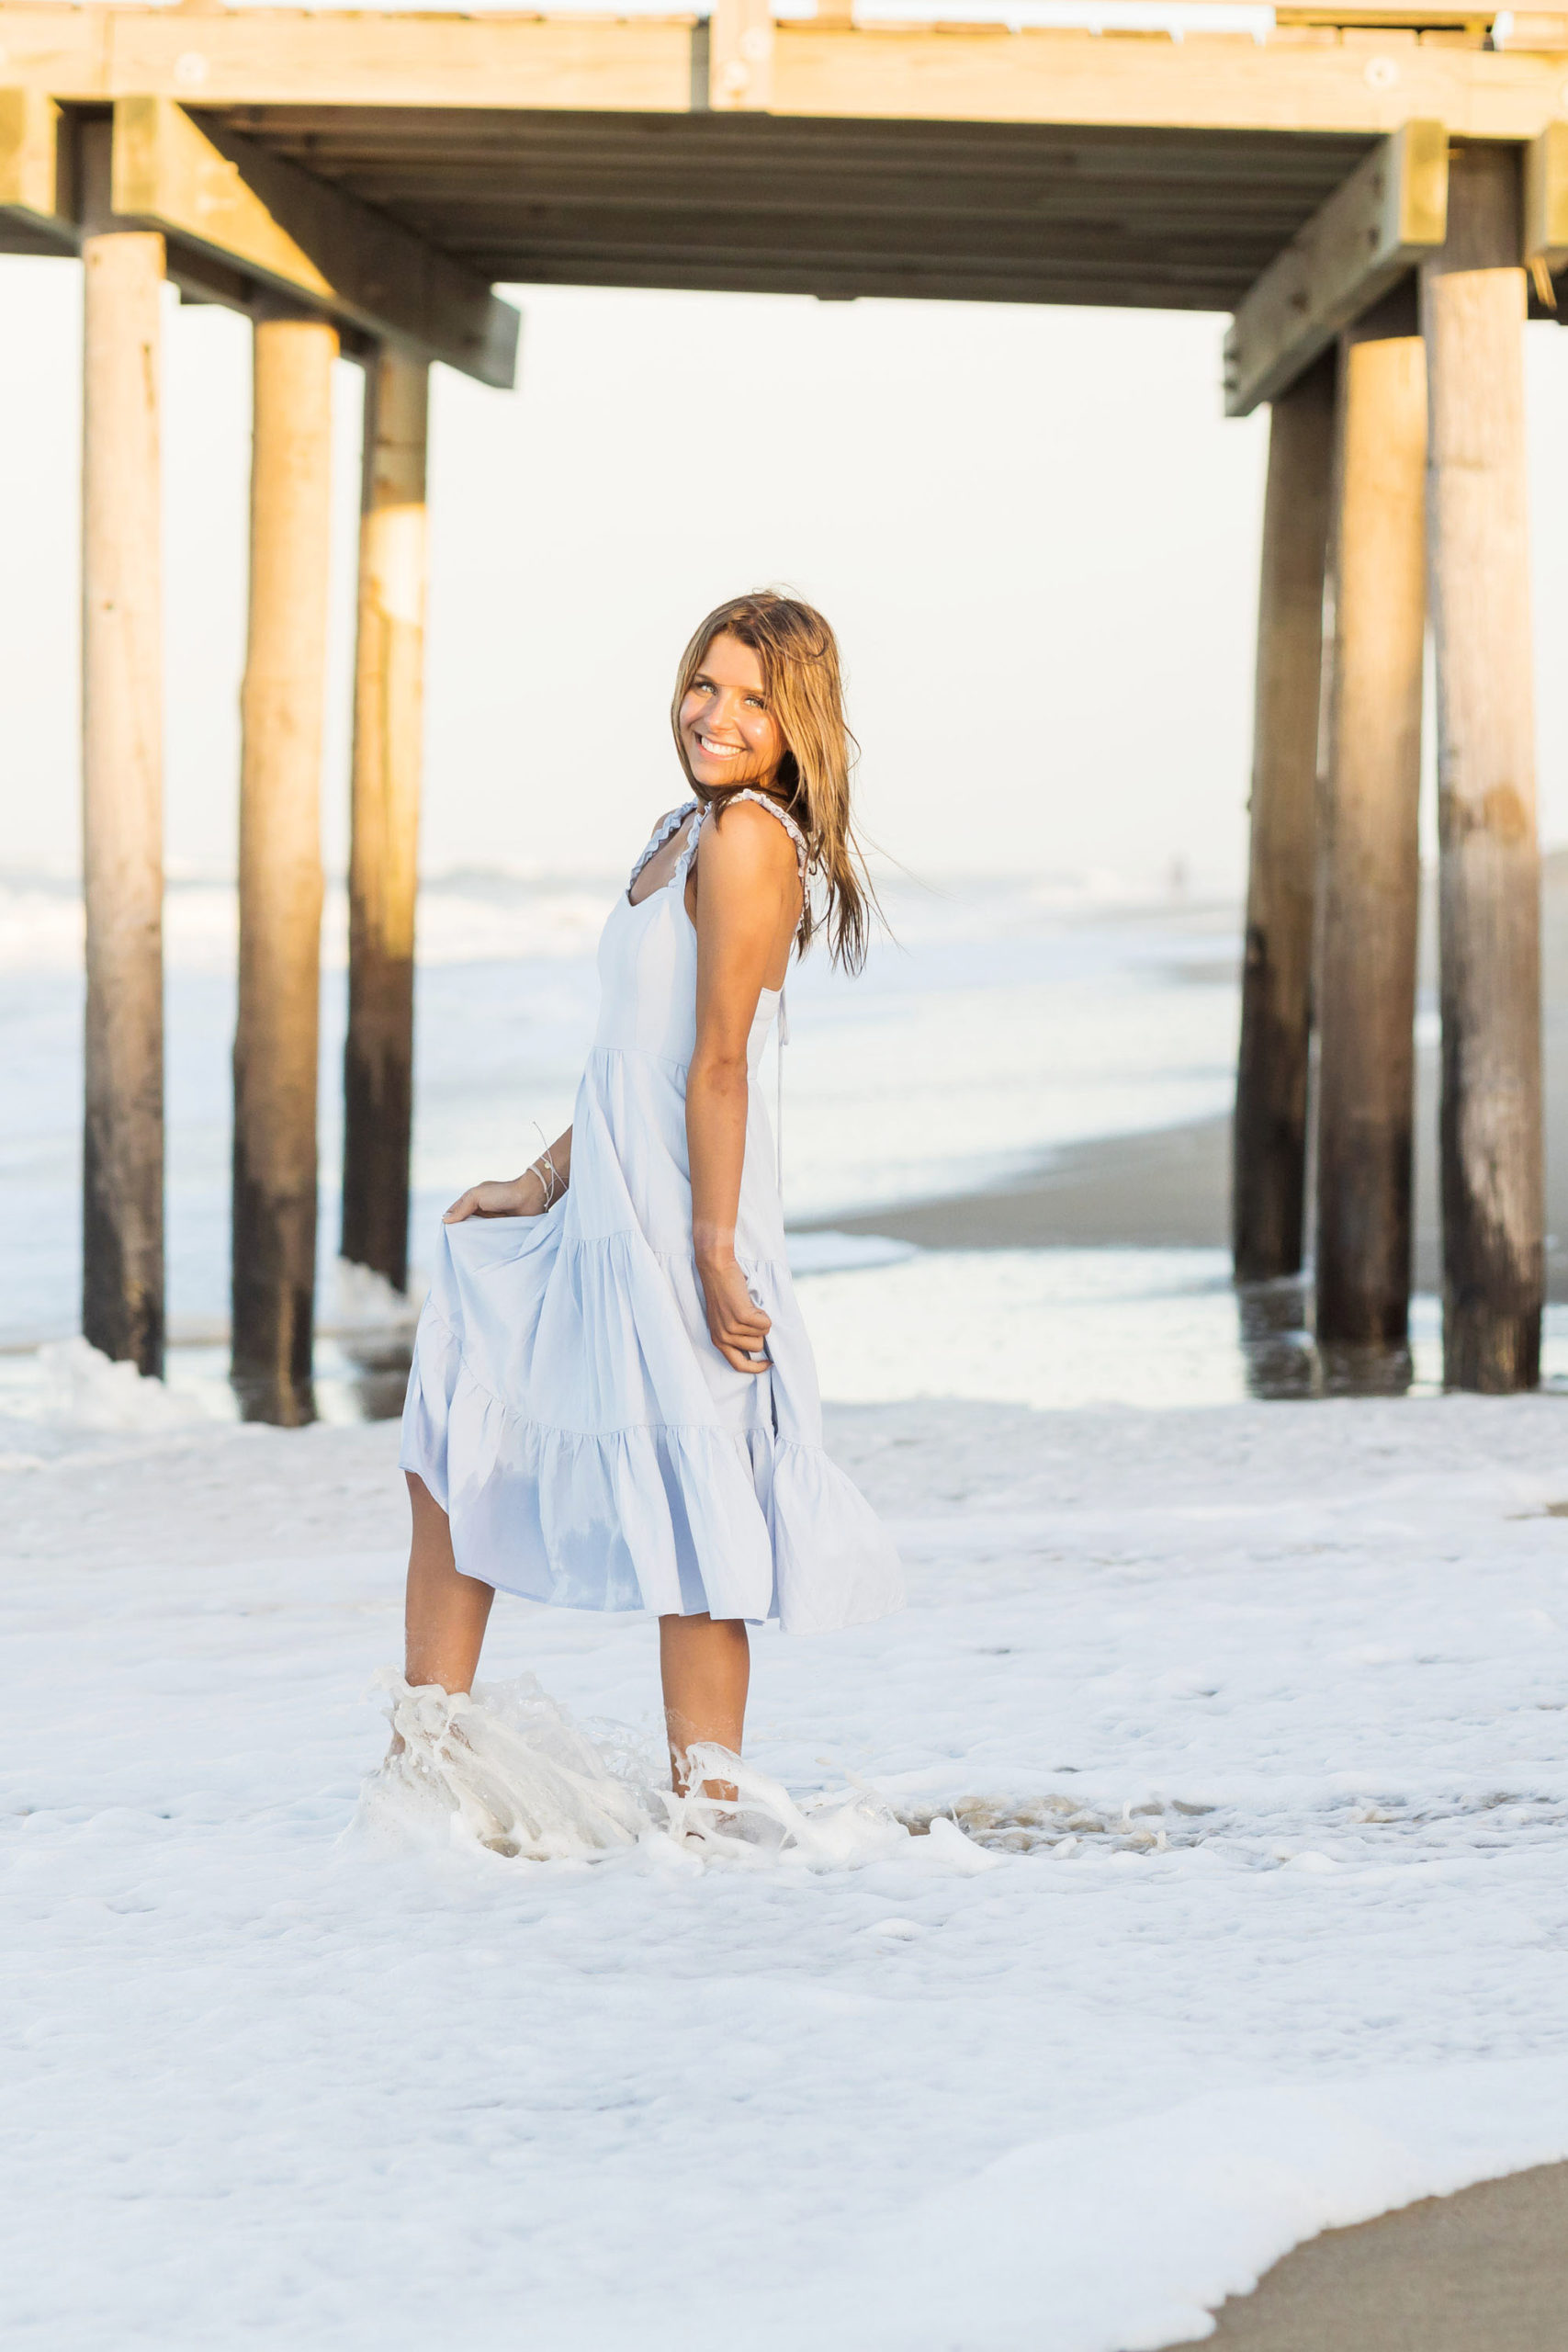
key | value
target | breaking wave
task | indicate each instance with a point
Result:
(504, 1770)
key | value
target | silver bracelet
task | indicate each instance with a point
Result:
(548, 1178)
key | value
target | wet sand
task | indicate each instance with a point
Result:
(1482, 2271)
(1170, 1189)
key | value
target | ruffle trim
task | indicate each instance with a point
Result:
(677, 1521)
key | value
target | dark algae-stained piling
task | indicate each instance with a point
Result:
(122, 776)
(1472, 310)
(1369, 855)
(1269, 1140)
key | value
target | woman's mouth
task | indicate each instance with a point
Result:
(712, 751)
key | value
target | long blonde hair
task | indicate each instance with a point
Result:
(804, 687)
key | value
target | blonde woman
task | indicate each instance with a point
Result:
(613, 1403)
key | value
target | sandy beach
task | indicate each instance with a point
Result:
(1180, 1877)
(1486, 2270)
(1169, 1188)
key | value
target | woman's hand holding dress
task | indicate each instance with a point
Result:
(737, 1325)
(524, 1195)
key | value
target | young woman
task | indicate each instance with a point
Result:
(613, 1403)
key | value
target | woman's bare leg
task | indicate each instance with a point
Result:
(445, 1614)
(705, 1663)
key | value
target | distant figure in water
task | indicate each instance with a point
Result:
(613, 1403)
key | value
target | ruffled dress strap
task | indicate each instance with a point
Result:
(705, 809)
(660, 835)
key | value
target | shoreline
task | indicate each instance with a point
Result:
(1168, 1188)
(1484, 2267)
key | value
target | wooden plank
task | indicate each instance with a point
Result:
(29, 157)
(741, 56)
(258, 213)
(122, 779)
(1268, 1166)
(987, 74)
(1390, 212)
(1381, 16)
(389, 730)
(977, 73)
(1472, 315)
(1148, 284)
(1531, 28)
(281, 707)
(273, 56)
(1370, 866)
(1546, 200)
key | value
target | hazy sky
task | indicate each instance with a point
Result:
(1034, 530)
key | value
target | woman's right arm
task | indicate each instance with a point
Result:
(527, 1195)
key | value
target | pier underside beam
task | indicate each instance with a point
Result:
(388, 714)
(1369, 858)
(122, 780)
(282, 227)
(275, 1040)
(1389, 212)
(1269, 1164)
(1472, 311)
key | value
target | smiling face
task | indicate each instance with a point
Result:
(730, 735)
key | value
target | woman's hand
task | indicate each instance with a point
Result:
(525, 1196)
(737, 1325)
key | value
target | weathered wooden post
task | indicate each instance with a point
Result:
(122, 775)
(1270, 1146)
(1472, 310)
(1370, 854)
(280, 869)
(389, 699)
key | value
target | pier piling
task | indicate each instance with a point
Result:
(388, 714)
(275, 1040)
(1369, 855)
(1269, 1149)
(122, 775)
(1473, 309)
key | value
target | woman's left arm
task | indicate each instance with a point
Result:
(747, 905)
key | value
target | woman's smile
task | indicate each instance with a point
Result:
(729, 692)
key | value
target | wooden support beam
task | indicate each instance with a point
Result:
(280, 869)
(975, 73)
(1473, 313)
(1389, 212)
(122, 781)
(1369, 862)
(388, 714)
(1268, 1177)
(1546, 201)
(32, 156)
(741, 56)
(261, 215)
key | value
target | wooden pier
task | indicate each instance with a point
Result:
(1378, 195)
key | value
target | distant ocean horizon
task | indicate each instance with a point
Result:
(1002, 1018)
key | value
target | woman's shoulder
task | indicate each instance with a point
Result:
(757, 835)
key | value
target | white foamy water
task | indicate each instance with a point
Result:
(1238, 1738)
(505, 1772)
(1003, 1020)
